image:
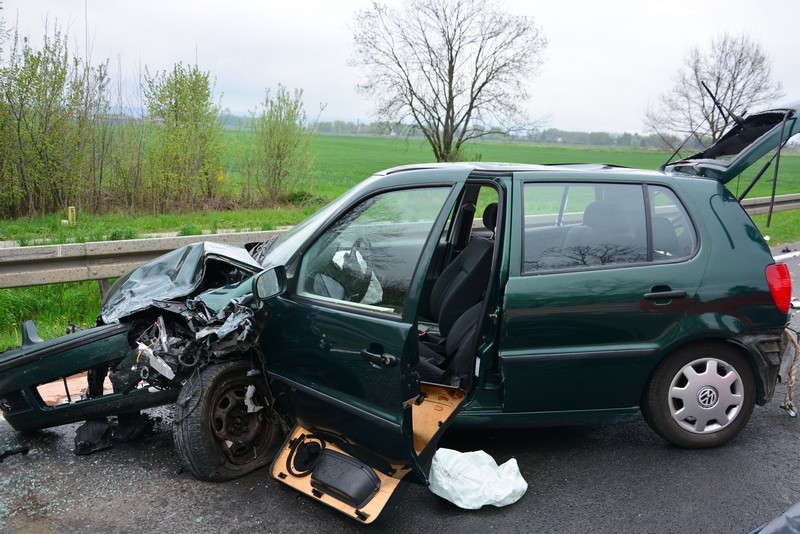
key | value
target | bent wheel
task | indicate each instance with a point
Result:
(220, 431)
(701, 396)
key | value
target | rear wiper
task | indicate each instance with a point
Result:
(726, 114)
(722, 109)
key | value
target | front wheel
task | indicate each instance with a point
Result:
(700, 396)
(225, 426)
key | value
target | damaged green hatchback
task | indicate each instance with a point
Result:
(492, 295)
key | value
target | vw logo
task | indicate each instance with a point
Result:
(707, 397)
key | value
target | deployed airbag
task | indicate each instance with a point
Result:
(471, 480)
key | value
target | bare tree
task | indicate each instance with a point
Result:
(457, 68)
(735, 69)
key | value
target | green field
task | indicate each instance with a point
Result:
(339, 163)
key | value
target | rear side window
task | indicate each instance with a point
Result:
(673, 234)
(587, 226)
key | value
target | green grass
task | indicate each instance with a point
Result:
(49, 230)
(339, 163)
(53, 307)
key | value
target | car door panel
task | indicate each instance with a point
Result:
(431, 413)
(589, 339)
(341, 364)
(318, 357)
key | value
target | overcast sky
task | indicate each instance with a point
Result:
(605, 61)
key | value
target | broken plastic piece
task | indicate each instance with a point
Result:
(30, 333)
(156, 362)
(471, 480)
(93, 436)
(132, 426)
(252, 407)
(16, 450)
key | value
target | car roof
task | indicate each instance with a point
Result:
(508, 168)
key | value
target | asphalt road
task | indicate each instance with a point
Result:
(619, 478)
(616, 478)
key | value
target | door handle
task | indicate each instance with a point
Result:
(386, 360)
(665, 295)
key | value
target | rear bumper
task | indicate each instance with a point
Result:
(766, 349)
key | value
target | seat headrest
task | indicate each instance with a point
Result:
(490, 216)
(605, 216)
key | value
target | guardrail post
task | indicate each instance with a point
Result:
(104, 286)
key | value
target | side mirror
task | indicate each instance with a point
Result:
(270, 283)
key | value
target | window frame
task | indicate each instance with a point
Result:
(649, 213)
(374, 310)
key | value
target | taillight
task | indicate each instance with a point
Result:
(780, 285)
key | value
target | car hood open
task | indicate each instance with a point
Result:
(743, 145)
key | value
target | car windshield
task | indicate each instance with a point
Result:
(288, 243)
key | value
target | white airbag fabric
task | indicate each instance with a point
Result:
(471, 480)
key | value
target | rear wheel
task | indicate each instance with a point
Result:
(701, 396)
(221, 431)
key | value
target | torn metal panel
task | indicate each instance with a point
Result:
(177, 274)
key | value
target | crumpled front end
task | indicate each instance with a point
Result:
(160, 324)
(191, 335)
(180, 273)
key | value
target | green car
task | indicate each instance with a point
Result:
(485, 295)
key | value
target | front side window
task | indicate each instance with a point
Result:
(571, 226)
(367, 259)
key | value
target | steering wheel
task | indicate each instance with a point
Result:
(362, 246)
(354, 277)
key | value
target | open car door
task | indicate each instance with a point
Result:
(340, 347)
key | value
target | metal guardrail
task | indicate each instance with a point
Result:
(77, 262)
(755, 206)
(50, 264)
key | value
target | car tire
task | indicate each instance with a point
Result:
(701, 396)
(216, 437)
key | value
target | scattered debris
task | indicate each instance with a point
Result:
(252, 407)
(92, 436)
(132, 426)
(788, 402)
(16, 450)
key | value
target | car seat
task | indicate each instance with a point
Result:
(463, 282)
